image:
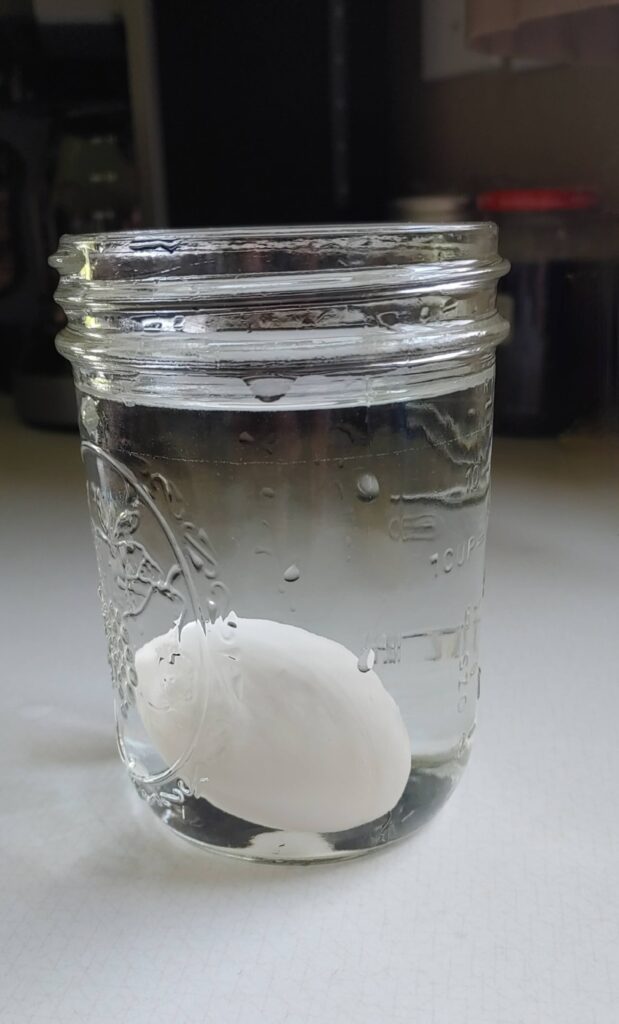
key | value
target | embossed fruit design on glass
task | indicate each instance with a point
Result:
(287, 436)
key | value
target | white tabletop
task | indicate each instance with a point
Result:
(505, 910)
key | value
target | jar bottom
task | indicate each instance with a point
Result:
(430, 784)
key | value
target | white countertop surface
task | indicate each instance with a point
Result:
(505, 910)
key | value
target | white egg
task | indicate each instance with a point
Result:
(273, 724)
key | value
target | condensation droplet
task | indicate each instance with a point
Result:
(212, 609)
(424, 313)
(366, 660)
(269, 389)
(246, 438)
(387, 319)
(267, 492)
(368, 487)
(292, 573)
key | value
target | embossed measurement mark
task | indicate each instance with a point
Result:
(387, 648)
(468, 669)
(473, 477)
(408, 527)
(453, 557)
(455, 644)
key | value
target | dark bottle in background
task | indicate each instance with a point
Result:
(274, 112)
(65, 165)
(558, 367)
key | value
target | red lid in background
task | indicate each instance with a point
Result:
(536, 200)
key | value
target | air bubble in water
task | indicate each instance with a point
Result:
(292, 573)
(228, 628)
(267, 492)
(366, 660)
(368, 487)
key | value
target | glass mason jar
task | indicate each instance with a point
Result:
(287, 438)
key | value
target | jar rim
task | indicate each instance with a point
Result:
(328, 313)
(266, 259)
(293, 232)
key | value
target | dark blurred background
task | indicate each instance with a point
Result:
(122, 114)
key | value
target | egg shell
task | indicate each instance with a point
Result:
(273, 724)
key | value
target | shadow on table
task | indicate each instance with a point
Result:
(58, 738)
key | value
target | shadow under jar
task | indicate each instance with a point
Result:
(287, 438)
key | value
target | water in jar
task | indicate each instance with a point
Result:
(363, 527)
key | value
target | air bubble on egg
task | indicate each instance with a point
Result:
(366, 660)
(293, 735)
